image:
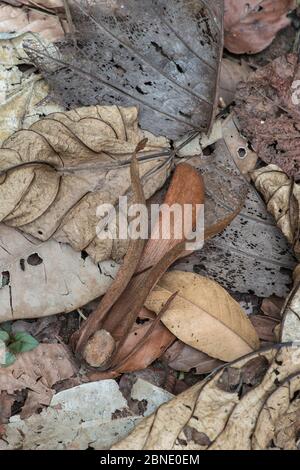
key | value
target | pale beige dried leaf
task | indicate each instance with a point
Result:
(211, 416)
(282, 196)
(78, 160)
(278, 421)
(44, 278)
(204, 316)
(23, 20)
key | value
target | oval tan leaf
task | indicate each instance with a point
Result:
(204, 316)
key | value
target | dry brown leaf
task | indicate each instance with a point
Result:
(251, 25)
(51, 187)
(232, 72)
(265, 327)
(23, 20)
(282, 196)
(37, 371)
(221, 412)
(182, 357)
(204, 316)
(272, 306)
(267, 105)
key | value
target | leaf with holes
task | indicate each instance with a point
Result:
(162, 56)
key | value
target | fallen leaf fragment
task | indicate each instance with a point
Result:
(23, 94)
(251, 25)
(282, 196)
(23, 19)
(223, 411)
(37, 372)
(93, 415)
(232, 72)
(204, 316)
(184, 358)
(267, 105)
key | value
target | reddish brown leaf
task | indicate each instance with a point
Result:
(251, 25)
(268, 111)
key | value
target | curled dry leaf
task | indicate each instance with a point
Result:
(23, 19)
(267, 105)
(251, 255)
(52, 187)
(137, 52)
(290, 326)
(251, 25)
(282, 196)
(224, 411)
(36, 372)
(204, 316)
(279, 420)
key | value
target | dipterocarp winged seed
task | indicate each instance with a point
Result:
(162, 56)
(251, 25)
(203, 315)
(227, 418)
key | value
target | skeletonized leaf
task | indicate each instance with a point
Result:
(204, 316)
(162, 56)
(221, 412)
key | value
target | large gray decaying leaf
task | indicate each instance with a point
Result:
(251, 255)
(162, 56)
